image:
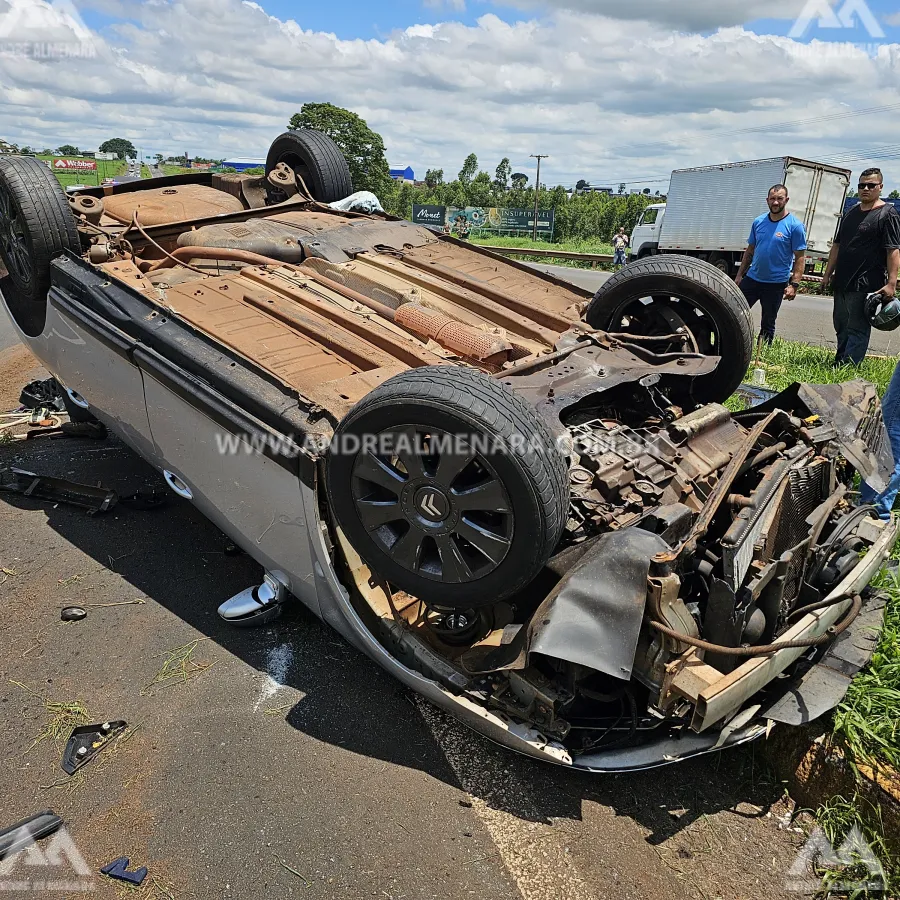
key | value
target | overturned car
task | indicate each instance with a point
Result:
(526, 502)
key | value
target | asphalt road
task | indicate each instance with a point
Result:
(807, 318)
(281, 762)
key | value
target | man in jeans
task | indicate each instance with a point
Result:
(776, 250)
(620, 245)
(864, 259)
(890, 407)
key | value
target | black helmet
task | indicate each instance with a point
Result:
(883, 312)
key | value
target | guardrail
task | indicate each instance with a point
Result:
(592, 258)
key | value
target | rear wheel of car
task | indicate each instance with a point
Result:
(35, 225)
(448, 485)
(316, 159)
(664, 294)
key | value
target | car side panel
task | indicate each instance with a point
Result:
(91, 357)
(255, 500)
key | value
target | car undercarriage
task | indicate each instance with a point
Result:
(531, 498)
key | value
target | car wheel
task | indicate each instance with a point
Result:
(662, 294)
(35, 225)
(316, 159)
(460, 495)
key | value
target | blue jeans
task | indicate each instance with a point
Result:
(618, 257)
(770, 297)
(884, 502)
(851, 326)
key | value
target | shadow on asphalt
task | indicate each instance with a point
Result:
(174, 556)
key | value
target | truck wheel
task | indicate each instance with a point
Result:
(35, 225)
(659, 295)
(316, 159)
(721, 263)
(448, 485)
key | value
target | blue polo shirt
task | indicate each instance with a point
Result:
(776, 243)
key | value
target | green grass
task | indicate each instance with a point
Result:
(105, 169)
(837, 818)
(169, 169)
(487, 239)
(786, 362)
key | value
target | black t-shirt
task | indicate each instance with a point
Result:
(865, 238)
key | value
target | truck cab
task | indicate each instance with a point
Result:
(645, 237)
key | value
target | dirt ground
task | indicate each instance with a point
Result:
(282, 763)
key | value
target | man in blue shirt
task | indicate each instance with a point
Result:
(774, 257)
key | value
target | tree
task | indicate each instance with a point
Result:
(120, 146)
(68, 150)
(894, 195)
(469, 169)
(481, 190)
(519, 181)
(434, 178)
(622, 188)
(159, 158)
(647, 191)
(582, 186)
(362, 147)
(501, 176)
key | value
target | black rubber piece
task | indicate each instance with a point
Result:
(703, 285)
(524, 456)
(48, 222)
(323, 166)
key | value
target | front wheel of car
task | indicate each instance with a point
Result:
(35, 225)
(668, 296)
(449, 486)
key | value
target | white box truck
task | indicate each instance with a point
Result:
(708, 211)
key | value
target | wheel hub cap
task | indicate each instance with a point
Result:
(432, 504)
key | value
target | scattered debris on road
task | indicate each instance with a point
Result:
(23, 834)
(86, 742)
(58, 490)
(72, 614)
(179, 666)
(118, 869)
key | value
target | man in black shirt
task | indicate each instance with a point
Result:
(864, 259)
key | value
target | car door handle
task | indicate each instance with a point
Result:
(76, 398)
(177, 485)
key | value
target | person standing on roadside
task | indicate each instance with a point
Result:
(620, 245)
(864, 259)
(773, 262)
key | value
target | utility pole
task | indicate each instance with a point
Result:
(537, 190)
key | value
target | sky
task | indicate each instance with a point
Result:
(612, 90)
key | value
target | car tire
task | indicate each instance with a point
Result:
(511, 498)
(317, 159)
(36, 225)
(696, 293)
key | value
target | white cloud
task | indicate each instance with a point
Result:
(685, 15)
(609, 100)
(893, 19)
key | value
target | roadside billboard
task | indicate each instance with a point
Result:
(429, 215)
(75, 165)
(499, 219)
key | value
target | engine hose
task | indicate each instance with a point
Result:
(812, 607)
(766, 649)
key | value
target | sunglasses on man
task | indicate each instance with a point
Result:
(869, 185)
